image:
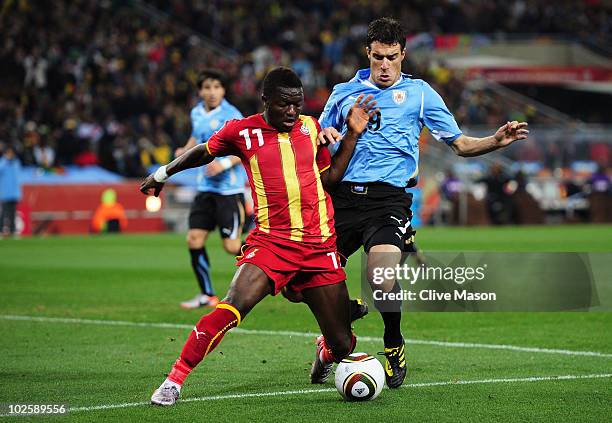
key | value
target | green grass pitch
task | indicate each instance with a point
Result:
(104, 371)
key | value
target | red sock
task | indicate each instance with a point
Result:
(327, 356)
(204, 337)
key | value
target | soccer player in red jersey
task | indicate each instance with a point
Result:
(293, 245)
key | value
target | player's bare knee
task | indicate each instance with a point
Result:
(232, 246)
(195, 239)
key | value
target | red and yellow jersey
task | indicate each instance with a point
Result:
(283, 170)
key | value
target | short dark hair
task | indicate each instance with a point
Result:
(210, 74)
(280, 77)
(386, 31)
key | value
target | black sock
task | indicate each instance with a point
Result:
(393, 334)
(391, 313)
(201, 268)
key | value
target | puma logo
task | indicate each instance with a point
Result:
(405, 228)
(197, 333)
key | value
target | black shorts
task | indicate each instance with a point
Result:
(372, 214)
(209, 210)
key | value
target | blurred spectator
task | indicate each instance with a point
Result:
(499, 206)
(156, 152)
(451, 186)
(10, 190)
(600, 181)
(35, 67)
(571, 186)
(126, 158)
(600, 196)
(525, 208)
(86, 157)
(44, 155)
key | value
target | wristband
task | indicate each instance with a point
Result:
(225, 163)
(161, 175)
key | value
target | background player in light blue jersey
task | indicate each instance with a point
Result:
(221, 186)
(10, 190)
(371, 206)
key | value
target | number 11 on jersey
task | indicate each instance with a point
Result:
(334, 259)
(247, 138)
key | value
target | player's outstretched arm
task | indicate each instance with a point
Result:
(469, 146)
(194, 157)
(356, 121)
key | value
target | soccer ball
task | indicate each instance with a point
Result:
(360, 377)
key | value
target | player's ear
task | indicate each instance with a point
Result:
(403, 53)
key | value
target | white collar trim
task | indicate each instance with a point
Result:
(213, 111)
(371, 85)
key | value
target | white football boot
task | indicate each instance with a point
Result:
(167, 394)
(201, 300)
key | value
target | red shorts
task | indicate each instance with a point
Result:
(295, 265)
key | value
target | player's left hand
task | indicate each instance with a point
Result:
(510, 132)
(291, 295)
(360, 113)
(150, 183)
(214, 168)
(328, 136)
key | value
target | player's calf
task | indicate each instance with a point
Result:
(206, 335)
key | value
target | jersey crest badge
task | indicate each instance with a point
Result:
(252, 253)
(304, 129)
(214, 123)
(399, 96)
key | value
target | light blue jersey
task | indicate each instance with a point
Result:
(204, 124)
(10, 189)
(388, 151)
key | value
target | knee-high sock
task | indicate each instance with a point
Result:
(327, 356)
(393, 334)
(391, 313)
(205, 336)
(201, 268)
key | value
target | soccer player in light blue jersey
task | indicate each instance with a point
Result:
(371, 205)
(221, 187)
(10, 190)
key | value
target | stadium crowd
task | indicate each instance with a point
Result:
(103, 82)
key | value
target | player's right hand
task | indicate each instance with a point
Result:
(328, 136)
(360, 113)
(150, 183)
